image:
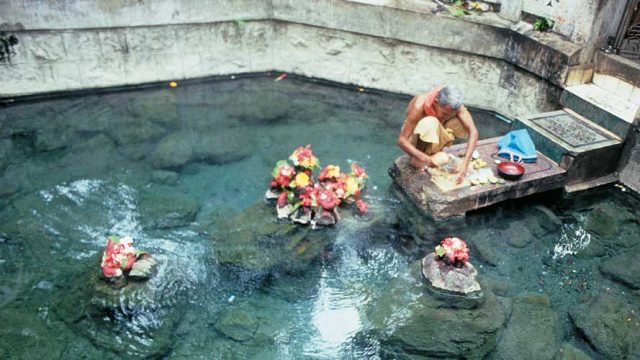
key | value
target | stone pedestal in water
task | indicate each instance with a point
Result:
(457, 286)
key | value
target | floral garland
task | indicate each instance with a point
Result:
(305, 200)
(453, 250)
(119, 256)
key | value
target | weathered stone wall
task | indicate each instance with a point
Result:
(573, 18)
(399, 46)
(630, 162)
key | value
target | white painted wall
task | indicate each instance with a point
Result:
(392, 45)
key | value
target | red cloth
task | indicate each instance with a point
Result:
(430, 100)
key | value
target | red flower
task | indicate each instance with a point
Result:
(282, 199)
(308, 197)
(455, 249)
(327, 199)
(362, 207)
(282, 180)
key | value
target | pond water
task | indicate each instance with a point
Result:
(183, 170)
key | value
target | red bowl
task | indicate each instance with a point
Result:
(510, 170)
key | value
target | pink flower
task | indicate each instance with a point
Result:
(455, 249)
(358, 171)
(327, 199)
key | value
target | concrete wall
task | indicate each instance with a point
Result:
(400, 46)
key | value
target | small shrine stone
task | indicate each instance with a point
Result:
(301, 217)
(456, 286)
(285, 211)
(143, 268)
(326, 218)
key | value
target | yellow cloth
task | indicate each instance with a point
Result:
(431, 136)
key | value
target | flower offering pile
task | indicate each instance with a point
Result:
(453, 251)
(306, 200)
(120, 256)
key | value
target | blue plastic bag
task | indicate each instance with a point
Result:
(517, 145)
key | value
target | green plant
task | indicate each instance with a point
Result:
(543, 24)
(456, 8)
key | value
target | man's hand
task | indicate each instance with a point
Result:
(462, 172)
(427, 162)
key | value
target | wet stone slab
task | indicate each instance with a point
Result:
(417, 187)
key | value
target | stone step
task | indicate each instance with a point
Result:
(584, 149)
(603, 107)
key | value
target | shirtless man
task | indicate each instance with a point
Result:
(433, 121)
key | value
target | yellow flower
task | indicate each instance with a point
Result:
(302, 179)
(309, 162)
(351, 185)
(333, 171)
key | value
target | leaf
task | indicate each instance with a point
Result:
(114, 239)
(440, 251)
(456, 11)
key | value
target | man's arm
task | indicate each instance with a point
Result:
(467, 122)
(414, 114)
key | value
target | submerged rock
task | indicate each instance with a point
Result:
(27, 336)
(517, 235)
(486, 243)
(145, 313)
(164, 177)
(135, 132)
(533, 330)
(612, 227)
(6, 148)
(178, 149)
(456, 286)
(254, 244)
(606, 219)
(570, 352)
(409, 322)
(92, 157)
(624, 268)
(542, 221)
(167, 210)
(611, 325)
(237, 325)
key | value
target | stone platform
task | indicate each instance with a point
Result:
(584, 149)
(417, 186)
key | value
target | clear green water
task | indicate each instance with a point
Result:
(76, 169)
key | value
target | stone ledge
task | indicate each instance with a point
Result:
(540, 176)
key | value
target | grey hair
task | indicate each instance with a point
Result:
(451, 96)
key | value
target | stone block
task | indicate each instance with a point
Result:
(582, 148)
(113, 44)
(603, 108)
(541, 176)
(23, 78)
(635, 96)
(511, 10)
(82, 45)
(574, 77)
(43, 46)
